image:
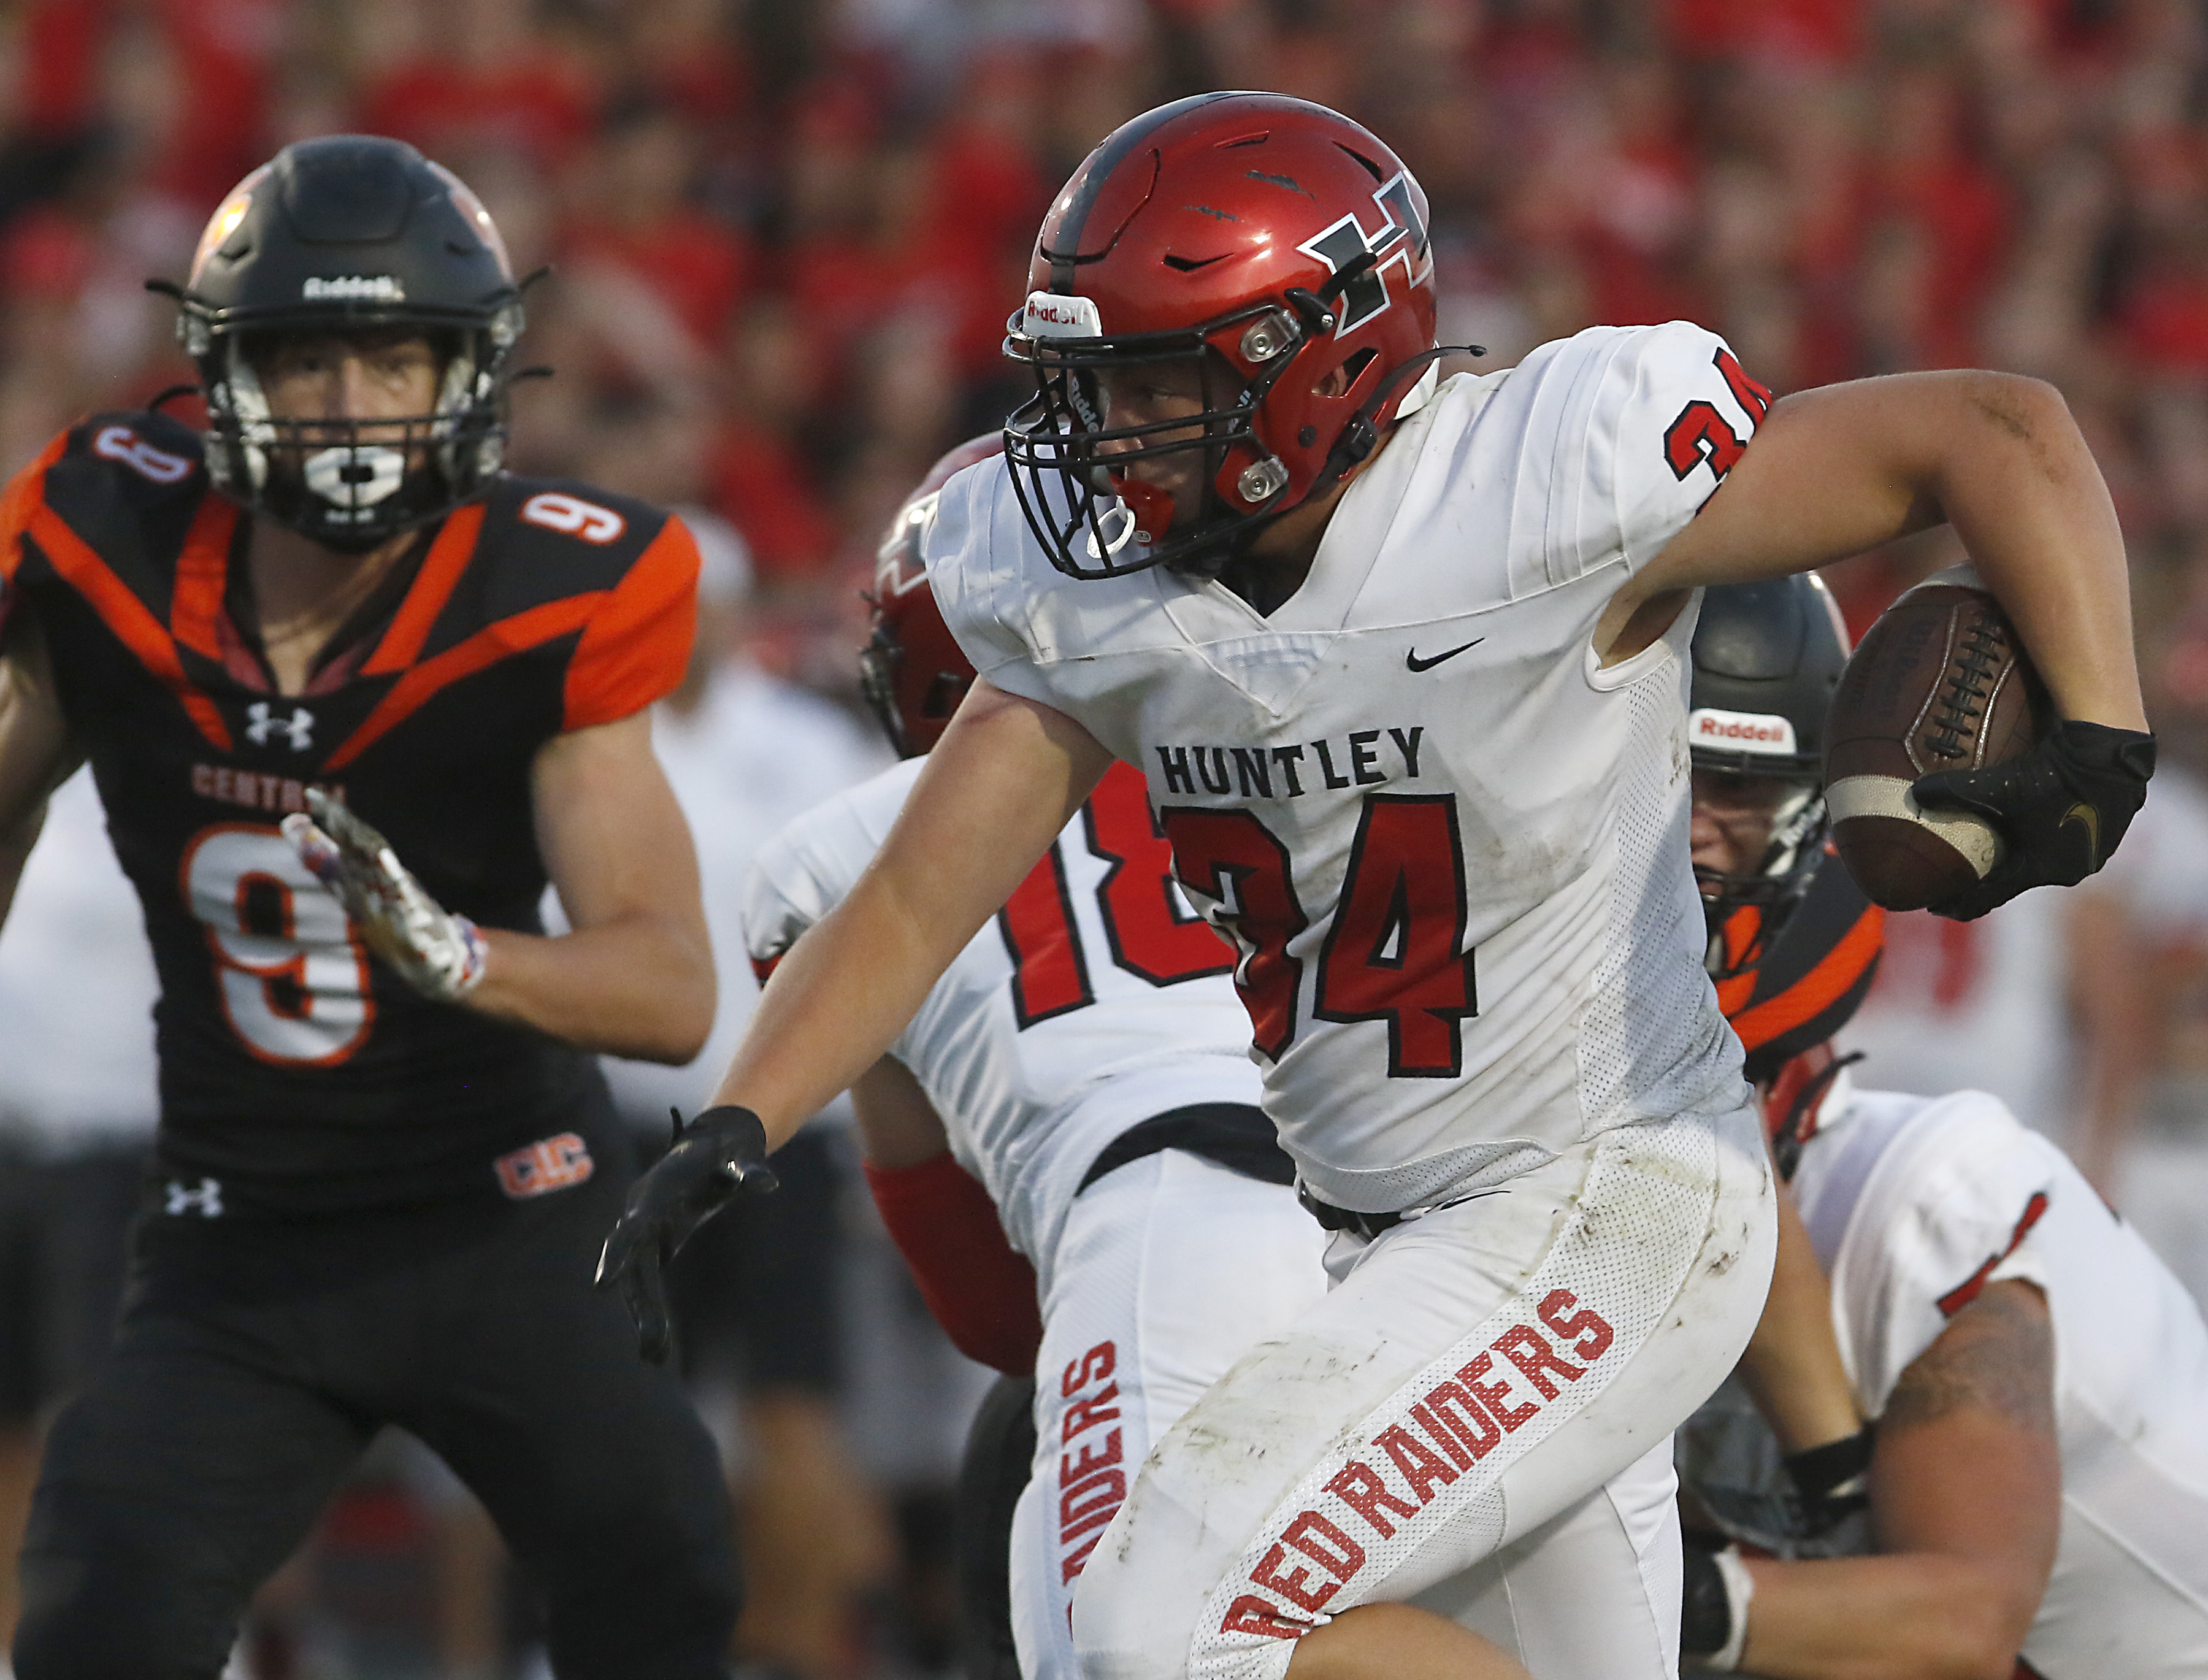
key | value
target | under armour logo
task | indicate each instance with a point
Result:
(1402, 239)
(204, 1199)
(298, 728)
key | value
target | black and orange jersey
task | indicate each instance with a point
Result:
(296, 1070)
(1804, 983)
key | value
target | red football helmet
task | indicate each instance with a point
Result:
(911, 670)
(1271, 240)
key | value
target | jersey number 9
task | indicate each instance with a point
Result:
(294, 982)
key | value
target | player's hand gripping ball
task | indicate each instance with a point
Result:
(439, 954)
(718, 1156)
(1951, 785)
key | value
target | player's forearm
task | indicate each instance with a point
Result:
(641, 987)
(835, 1001)
(2023, 491)
(1919, 1615)
(1843, 468)
(1792, 1365)
(1008, 774)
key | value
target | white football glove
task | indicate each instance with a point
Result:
(439, 954)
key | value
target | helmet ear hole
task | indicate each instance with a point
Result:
(1342, 378)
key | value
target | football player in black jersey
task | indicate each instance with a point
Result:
(351, 695)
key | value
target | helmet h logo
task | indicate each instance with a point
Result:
(1401, 239)
(299, 729)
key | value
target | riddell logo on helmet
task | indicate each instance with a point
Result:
(1741, 731)
(355, 289)
(1051, 317)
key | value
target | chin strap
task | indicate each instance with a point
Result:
(1361, 436)
(1797, 1097)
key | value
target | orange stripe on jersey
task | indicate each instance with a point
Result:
(486, 647)
(432, 587)
(638, 648)
(197, 602)
(1973, 1286)
(25, 495)
(1824, 985)
(126, 616)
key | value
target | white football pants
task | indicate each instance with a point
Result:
(1168, 1270)
(1479, 1413)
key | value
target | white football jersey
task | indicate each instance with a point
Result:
(1094, 1000)
(1914, 1204)
(1452, 849)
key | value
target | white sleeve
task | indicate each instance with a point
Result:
(1951, 1208)
(1628, 429)
(809, 867)
(976, 546)
(782, 899)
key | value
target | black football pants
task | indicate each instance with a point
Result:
(1000, 1449)
(254, 1362)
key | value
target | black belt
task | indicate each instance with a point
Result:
(1369, 1226)
(1331, 1218)
(1233, 1135)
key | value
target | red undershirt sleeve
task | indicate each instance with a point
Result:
(976, 1285)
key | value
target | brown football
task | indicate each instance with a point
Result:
(1940, 682)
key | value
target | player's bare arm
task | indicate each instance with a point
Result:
(1966, 1485)
(1792, 1366)
(1835, 471)
(635, 976)
(1007, 776)
(35, 755)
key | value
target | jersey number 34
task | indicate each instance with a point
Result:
(1396, 951)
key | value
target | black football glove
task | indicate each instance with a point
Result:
(1713, 1600)
(718, 1156)
(2060, 808)
(1832, 1482)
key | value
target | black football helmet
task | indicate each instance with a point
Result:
(1766, 657)
(346, 234)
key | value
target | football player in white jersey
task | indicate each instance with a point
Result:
(1403, 667)
(2039, 1479)
(1086, 1061)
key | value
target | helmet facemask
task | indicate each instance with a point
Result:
(1070, 468)
(1775, 883)
(351, 484)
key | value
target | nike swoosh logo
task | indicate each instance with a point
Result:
(2082, 812)
(1412, 662)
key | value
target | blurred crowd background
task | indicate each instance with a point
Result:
(784, 235)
